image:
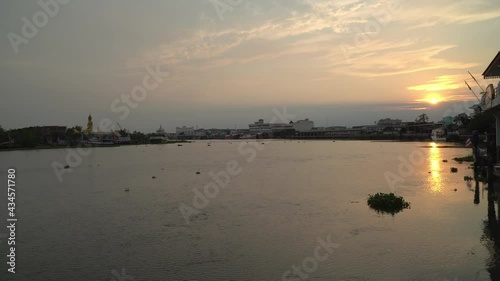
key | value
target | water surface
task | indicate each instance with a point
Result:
(268, 217)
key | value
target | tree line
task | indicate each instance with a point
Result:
(35, 136)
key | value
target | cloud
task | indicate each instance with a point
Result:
(427, 14)
(448, 83)
(323, 26)
(387, 60)
(319, 37)
(441, 83)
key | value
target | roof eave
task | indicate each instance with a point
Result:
(495, 61)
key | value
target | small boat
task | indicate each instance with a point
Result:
(438, 135)
(97, 143)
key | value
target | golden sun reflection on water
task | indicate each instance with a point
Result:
(436, 181)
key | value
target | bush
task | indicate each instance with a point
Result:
(387, 203)
(454, 170)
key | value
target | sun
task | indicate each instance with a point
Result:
(433, 99)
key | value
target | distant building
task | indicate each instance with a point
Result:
(447, 120)
(161, 131)
(336, 128)
(261, 127)
(184, 132)
(200, 133)
(303, 125)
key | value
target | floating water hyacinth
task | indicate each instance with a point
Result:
(468, 158)
(387, 203)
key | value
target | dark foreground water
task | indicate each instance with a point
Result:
(285, 211)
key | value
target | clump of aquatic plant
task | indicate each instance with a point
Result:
(387, 203)
(454, 170)
(468, 178)
(468, 158)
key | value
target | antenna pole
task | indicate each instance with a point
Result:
(476, 81)
(472, 91)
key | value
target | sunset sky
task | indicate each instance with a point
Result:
(231, 62)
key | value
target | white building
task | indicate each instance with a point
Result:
(303, 125)
(261, 127)
(184, 131)
(200, 133)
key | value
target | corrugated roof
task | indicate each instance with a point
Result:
(493, 70)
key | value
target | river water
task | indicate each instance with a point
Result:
(283, 210)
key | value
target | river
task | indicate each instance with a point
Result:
(266, 210)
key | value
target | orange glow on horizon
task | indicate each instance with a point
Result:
(432, 99)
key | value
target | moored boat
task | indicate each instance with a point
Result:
(438, 135)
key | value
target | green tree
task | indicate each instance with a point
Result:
(462, 120)
(26, 138)
(73, 135)
(124, 132)
(422, 118)
(138, 137)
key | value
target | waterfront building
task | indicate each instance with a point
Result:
(336, 128)
(492, 102)
(200, 133)
(184, 132)
(259, 127)
(303, 125)
(262, 127)
(159, 137)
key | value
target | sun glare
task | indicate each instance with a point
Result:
(433, 99)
